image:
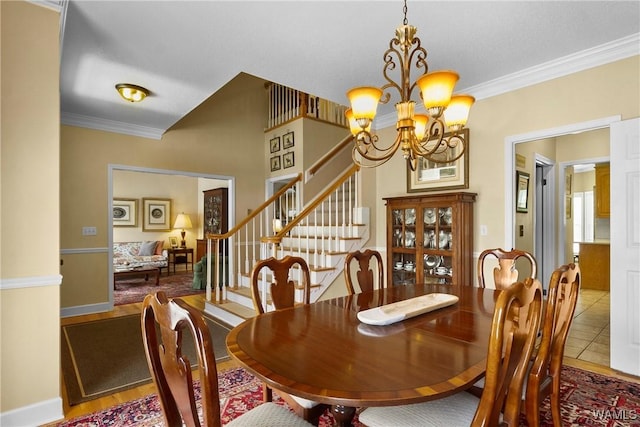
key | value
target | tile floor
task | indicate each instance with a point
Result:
(589, 333)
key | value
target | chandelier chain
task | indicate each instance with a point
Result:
(404, 10)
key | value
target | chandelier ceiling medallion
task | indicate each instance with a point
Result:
(418, 135)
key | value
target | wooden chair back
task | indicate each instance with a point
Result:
(544, 376)
(505, 274)
(282, 288)
(513, 334)
(170, 369)
(365, 274)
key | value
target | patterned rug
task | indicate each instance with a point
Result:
(587, 399)
(133, 290)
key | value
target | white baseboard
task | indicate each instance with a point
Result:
(35, 414)
(79, 310)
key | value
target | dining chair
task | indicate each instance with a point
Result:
(513, 332)
(544, 377)
(505, 273)
(282, 292)
(164, 322)
(365, 274)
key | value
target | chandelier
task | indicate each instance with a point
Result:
(419, 135)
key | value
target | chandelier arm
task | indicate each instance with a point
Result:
(441, 145)
(377, 162)
(365, 141)
(420, 61)
(390, 65)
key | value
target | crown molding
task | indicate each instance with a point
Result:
(110, 126)
(599, 55)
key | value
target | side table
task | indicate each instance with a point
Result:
(180, 256)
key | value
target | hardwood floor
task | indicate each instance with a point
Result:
(198, 302)
(75, 411)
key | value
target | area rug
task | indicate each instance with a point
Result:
(133, 290)
(107, 356)
(587, 399)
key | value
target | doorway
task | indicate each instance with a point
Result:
(173, 187)
(549, 222)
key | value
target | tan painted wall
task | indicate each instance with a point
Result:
(29, 199)
(603, 91)
(223, 136)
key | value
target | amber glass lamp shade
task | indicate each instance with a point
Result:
(457, 113)
(364, 102)
(437, 88)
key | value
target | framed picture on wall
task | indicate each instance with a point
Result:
(522, 191)
(274, 144)
(443, 175)
(287, 140)
(287, 159)
(156, 214)
(275, 163)
(125, 213)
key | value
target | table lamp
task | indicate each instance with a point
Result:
(183, 222)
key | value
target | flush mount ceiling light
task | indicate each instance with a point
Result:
(418, 135)
(132, 93)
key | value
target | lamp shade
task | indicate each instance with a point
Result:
(420, 125)
(354, 127)
(437, 88)
(364, 101)
(457, 113)
(182, 221)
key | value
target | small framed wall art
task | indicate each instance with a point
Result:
(287, 140)
(125, 213)
(156, 214)
(275, 163)
(287, 159)
(522, 191)
(274, 144)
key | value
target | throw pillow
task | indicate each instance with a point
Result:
(159, 247)
(147, 248)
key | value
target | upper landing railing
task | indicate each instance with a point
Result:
(286, 104)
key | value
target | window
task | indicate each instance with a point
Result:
(582, 219)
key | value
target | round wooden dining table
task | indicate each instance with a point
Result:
(322, 352)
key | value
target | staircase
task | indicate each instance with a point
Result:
(322, 232)
(321, 228)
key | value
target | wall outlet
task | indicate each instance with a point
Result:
(89, 231)
(483, 230)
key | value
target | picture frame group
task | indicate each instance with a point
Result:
(156, 213)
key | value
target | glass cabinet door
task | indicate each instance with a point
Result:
(437, 244)
(404, 246)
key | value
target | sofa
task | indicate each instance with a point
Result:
(127, 255)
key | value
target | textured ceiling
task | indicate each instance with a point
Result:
(184, 51)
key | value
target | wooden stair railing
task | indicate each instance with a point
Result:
(310, 208)
(251, 239)
(252, 227)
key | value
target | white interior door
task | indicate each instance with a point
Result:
(625, 246)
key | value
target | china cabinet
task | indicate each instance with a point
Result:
(215, 217)
(430, 239)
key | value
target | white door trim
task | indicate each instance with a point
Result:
(510, 167)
